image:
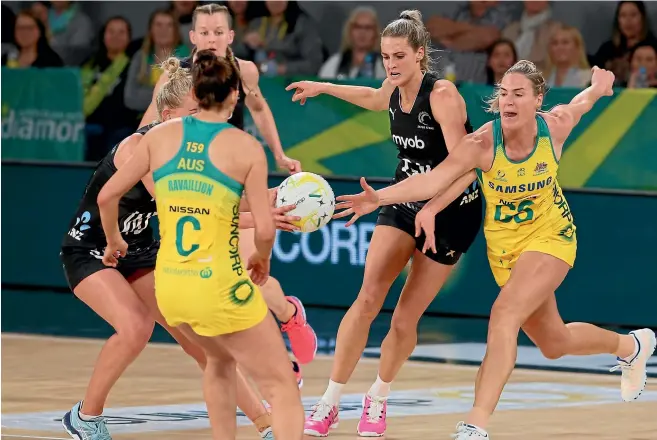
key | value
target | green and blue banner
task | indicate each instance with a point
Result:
(42, 114)
(612, 147)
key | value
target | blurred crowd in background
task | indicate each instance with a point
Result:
(476, 44)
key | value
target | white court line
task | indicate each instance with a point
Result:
(32, 436)
(326, 357)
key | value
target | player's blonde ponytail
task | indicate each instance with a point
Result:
(173, 92)
(409, 25)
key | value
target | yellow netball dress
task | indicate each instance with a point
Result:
(199, 276)
(525, 206)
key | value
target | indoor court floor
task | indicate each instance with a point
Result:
(160, 397)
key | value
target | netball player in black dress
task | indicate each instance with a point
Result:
(427, 119)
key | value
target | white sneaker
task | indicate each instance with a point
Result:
(634, 376)
(469, 432)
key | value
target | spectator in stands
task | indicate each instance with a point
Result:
(474, 28)
(643, 64)
(568, 65)
(163, 40)
(243, 12)
(32, 48)
(69, 30)
(286, 42)
(103, 79)
(531, 34)
(360, 53)
(182, 11)
(631, 27)
(501, 56)
(8, 25)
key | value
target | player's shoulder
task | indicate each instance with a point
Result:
(245, 146)
(244, 139)
(166, 126)
(446, 101)
(248, 70)
(444, 89)
(555, 115)
(165, 130)
(128, 144)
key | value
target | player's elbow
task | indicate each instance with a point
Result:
(266, 232)
(104, 197)
(378, 101)
(265, 236)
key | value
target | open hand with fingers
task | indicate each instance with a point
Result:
(304, 90)
(258, 267)
(358, 204)
(425, 221)
(286, 222)
(283, 221)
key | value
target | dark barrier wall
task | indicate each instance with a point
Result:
(614, 280)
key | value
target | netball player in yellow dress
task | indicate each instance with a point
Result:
(201, 165)
(530, 233)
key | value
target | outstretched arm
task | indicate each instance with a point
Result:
(366, 97)
(441, 201)
(263, 116)
(468, 155)
(464, 158)
(565, 117)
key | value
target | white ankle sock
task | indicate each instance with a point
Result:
(636, 350)
(332, 394)
(379, 388)
(85, 417)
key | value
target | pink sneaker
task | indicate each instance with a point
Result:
(373, 420)
(302, 337)
(322, 418)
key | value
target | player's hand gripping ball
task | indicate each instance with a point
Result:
(313, 197)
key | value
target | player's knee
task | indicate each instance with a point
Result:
(137, 330)
(555, 343)
(552, 351)
(278, 382)
(271, 286)
(221, 366)
(505, 312)
(194, 351)
(370, 301)
(403, 326)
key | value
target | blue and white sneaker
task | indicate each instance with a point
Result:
(634, 378)
(79, 429)
(267, 434)
(469, 432)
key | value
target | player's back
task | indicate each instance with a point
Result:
(198, 209)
